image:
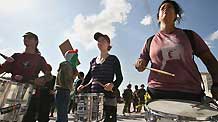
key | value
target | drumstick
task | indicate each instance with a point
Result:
(3, 74)
(160, 71)
(102, 85)
(9, 59)
(97, 83)
(4, 56)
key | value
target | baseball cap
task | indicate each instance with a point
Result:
(98, 34)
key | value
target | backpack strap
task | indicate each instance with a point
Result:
(189, 34)
(148, 44)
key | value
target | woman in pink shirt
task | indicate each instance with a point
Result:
(172, 50)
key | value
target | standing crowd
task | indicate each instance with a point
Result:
(137, 98)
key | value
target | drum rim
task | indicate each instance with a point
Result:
(4, 80)
(174, 116)
(90, 94)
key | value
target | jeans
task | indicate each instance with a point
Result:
(44, 108)
(110, 113)
(30, 115)
(62, 101)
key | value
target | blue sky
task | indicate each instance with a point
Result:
(127, 22)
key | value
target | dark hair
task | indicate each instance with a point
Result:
(34, 36)
(177, 9)
(129, 86)
(81, 74)
(109, 47)
(49, 67)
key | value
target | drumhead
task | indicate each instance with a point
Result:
(182, 108)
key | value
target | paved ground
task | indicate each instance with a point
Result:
(132, 117)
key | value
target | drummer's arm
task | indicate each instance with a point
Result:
(212, 66)
(211, 63)
(87, 78)
(118, 73)
(85, 81)
(5, 67)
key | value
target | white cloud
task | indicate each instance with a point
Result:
(11, 6)
(84, 27)
(147, 20)
(214, 36)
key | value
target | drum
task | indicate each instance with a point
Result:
(180, 110)
(89, 107)
(14, 99)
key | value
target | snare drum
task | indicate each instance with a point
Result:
(89, 107)
(181, 110)
(14, 99)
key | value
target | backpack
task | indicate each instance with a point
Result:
(189, 34)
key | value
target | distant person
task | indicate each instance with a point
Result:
(77, 83)
(102, 71)
(172, 49)
(141, 95)
(46, 99)
(135, 99)
(127, 96)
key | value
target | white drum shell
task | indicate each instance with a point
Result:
(14, 100)
(89, 107)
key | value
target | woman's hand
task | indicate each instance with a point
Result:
(39, 81)
(140, 65)
(10, 59)
(18, 77)
(80, 88)
(51, 92)
(108, 87)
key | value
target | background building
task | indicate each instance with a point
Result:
(207, 79)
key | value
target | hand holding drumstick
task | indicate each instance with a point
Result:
(141, 66)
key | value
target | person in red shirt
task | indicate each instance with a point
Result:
(25, 68)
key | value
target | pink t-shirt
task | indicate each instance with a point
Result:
(173, 53)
